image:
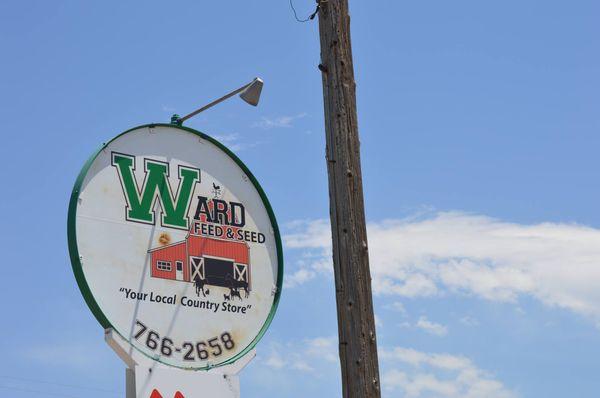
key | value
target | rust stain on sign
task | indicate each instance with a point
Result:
(164, 238)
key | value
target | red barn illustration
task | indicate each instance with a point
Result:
(203, 260)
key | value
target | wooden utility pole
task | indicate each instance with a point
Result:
(356, 322)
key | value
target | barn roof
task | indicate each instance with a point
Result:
(166, 246)
(238, 251)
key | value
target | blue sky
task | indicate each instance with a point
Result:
(479, 126)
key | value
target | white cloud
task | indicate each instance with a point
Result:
(405, 325)
(316, 259)
(299, 356)
(277, 122)
(418, 374)
(299, 277)
(311, 234)
(424, 324)
(404, 372)
(233, 142)
(227, 138)
(469, 321)
(74, 355)
(459, 253)
(323, 347)
(302, 366)
(431, 327)
(398, 307)
(275, 360)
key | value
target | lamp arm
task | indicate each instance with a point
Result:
(210, 105)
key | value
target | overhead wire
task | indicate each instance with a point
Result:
(72, 386)
(29, 390)
(310, 17)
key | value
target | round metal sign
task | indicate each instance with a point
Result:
(175, 247)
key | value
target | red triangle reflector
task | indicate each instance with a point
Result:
(155, 394)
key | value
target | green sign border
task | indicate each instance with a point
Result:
(76, 260)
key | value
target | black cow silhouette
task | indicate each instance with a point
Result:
(199, 283)
(235, 293)
(235, 285)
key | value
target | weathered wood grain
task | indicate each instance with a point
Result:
(357, 340)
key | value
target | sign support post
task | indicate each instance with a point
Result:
(143, 376)
(356, 323)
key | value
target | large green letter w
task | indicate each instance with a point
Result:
(140, 203)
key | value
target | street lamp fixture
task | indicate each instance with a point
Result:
(250, 93)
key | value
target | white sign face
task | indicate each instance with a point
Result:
(175, 247)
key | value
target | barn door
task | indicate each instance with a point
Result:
(196, 269)
(240, 272)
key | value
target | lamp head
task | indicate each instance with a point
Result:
(251, 94)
